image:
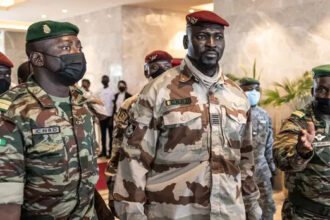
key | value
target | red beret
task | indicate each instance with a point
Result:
(205, 17)
(158, 55)
(176, 62)
(4, 61)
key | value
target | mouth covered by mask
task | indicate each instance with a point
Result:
(122, 88)
(253, 96)
(322, 105)
(4, 85)
(72, 68)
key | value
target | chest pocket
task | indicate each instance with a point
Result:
(233, 130)
(322, 150)
(259, 130)
(181, 138)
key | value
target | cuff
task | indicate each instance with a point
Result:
(11, 192)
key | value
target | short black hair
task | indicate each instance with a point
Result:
(86, 80)
(123, 82)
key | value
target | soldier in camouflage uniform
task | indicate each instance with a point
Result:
(187, 151)
(156, 63)
(5, 73)
(302, 151)
(48, 165)
(262, 137)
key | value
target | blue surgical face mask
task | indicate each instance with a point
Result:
(253, 96)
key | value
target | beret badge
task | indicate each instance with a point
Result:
(193, 20)
(46, 29)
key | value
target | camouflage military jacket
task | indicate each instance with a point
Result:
(47, 161)
(262, 134)
(307, 176)
(187, 153)
(121, 122)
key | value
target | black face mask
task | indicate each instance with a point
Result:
(122, 89)
(72, 68)
(158, 73)
(4, 85)
(322, 105)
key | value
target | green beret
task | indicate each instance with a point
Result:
(320, 71)
(248, 81)
(50, 29)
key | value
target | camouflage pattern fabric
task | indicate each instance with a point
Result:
(187, 152)
(291, 213)
(262, 136)
(307, 176)
(47, 161)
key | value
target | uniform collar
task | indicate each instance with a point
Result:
(44, 99)
(186, 75)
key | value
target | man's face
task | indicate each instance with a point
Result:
(205, 44)
(105, 80)
(252, 87)
(158, 67)
(322, 87)
(60, 46)
(85, 84)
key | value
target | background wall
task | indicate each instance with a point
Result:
(145, 30)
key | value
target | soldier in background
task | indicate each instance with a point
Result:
(23, 72)
(262, 137)
(5, 73)
(187, 151)
(158, 58)
(48, 166)
(302, 151)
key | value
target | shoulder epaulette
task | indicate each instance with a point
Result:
(299, 114)
(7, 98)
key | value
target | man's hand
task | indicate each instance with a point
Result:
(306, 139)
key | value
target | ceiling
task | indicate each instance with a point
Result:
(34, 10)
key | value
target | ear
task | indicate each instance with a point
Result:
(37, 59)
(312, 91)
(185, 42)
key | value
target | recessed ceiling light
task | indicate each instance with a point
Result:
(64, 10)
(43, 16)
(191, 10)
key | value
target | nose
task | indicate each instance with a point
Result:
(75, 49)
(211, 42)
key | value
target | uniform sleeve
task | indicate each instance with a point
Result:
(269, 146)
(137, 153)
(249, 187)
(12, 170)
(285, 147)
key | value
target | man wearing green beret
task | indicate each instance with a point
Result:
(262, 139)
(48, 165)
(302, 151)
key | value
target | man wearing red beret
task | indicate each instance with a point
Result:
(5, 73)
(156, 63)
(187, 151)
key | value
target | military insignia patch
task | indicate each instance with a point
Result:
(152, 58)
(46, 130)
(3, 142)
(192, 20)
(299, 114)
(46, 28)
(4, 105)
(130, 130)
(178, 102)
(319, 137)
(321, 144)
(122, 116)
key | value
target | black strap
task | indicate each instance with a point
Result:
(302, 202)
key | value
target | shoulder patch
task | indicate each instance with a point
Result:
(4, 104)
(299, 114)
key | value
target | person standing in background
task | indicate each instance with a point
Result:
(5, 73)
(106, 95)
(262, 139)
(121, 96)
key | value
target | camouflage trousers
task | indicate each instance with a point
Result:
(266, 201)
(289, 212)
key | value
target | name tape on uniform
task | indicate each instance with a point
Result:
(47, 130)
(178, 101)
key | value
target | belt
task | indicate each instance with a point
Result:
(302, 202)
